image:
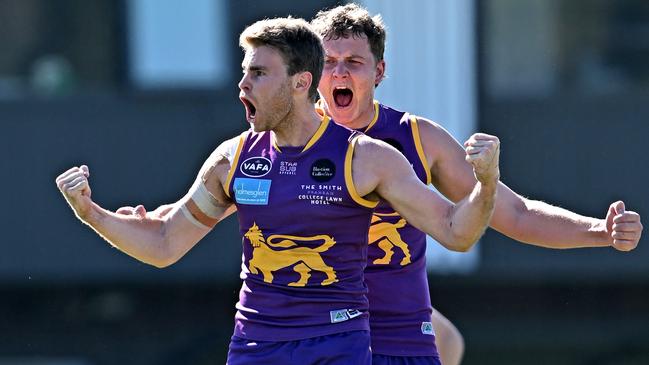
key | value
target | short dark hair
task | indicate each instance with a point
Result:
(300, 47)
(352, 20)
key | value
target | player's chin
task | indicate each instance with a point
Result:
(257, 126)
(341, 111)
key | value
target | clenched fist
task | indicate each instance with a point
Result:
(483, 153)
(623, 227)
(74, 186)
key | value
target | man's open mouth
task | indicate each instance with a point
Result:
(343, 97)
(251, 110)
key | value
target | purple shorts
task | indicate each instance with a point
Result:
(338, 349)
(405, 360)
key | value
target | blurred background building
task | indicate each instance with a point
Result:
(143, 90)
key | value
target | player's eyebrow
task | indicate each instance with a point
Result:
(253, 67)
(350, 57)
(354, 56)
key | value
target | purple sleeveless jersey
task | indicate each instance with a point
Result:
(400, 305)
(304, 232)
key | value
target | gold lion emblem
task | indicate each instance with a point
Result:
(386, 235)
(267, 260)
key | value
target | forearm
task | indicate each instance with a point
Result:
(541, 224)
(470, 217)
(142, 237)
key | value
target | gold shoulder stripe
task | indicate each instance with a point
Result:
(321, 129)
(375, 118)
(420, 148)
(349, 181)
(233, 166)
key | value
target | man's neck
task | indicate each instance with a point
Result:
(299, 127)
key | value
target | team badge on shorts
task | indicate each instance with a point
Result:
(427, 328)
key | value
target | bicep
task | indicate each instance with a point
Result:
(508, 212)
(206, 203)
(451, 175)
(454, 178)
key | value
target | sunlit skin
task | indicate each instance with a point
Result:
(349, 64)
(265, 85)
(276, 101)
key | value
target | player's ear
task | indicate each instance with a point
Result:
(302, 81)
(379, 72)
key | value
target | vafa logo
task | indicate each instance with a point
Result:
(256, 166)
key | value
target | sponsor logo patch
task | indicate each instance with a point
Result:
(256, 166)
(251, 191)
(323, 170)
(427, 328)
(287, 168)
(343, 315)
(321, 194)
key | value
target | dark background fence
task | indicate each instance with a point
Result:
(69, 298)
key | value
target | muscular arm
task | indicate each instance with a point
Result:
(529, 221)
(158, 238)
(378, 169)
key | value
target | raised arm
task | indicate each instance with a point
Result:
(381, 170)
(525, 220)
(162, 237)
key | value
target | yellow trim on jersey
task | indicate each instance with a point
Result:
(318, 133)
(233, 166)
(349, 181)
(316, 136)
(393, 214)
(376, 116)
(275, 145)
(420, 149)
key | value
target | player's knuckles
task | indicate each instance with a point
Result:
(77, 185)
(77, 178)
(627, 215)
(623, 245)
(66, 173)
(60, 184)
(63, 178)
(629, 228)
(67, 185)
(484, 156)
(493, 145)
